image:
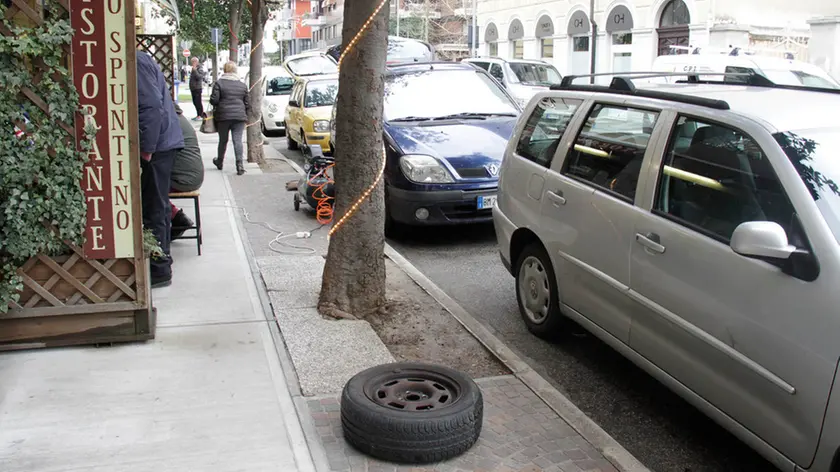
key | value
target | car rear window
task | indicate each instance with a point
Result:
(321, 93)
(312, 65)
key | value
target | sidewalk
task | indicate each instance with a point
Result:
(521, 433)
(209, 394)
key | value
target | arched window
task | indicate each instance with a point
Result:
(673, 28)
(675, 13)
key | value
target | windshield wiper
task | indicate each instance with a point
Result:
(411, 118)
(472, 116)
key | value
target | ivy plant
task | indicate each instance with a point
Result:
(41, 199)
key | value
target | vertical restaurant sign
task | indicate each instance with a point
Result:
(100, 57)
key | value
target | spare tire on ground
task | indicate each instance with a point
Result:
(411, 413)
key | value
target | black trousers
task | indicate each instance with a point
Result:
(157, 212)
(196, 96)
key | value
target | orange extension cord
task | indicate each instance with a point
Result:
(324, 209)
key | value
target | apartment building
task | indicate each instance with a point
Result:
(630, 34)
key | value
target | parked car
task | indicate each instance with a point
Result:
(400, 50)
(278, 89)
(522, 78)
(308, 111)
(445, 128)
(694, 228)
(310, 63)
(778, 70)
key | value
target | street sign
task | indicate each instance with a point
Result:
(214, 35)
(186, 53)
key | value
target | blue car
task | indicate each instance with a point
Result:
(446, 126)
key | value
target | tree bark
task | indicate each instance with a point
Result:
(259, 15)
(354, 274)
(235, 25)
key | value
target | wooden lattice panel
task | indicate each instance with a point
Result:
(162, 49)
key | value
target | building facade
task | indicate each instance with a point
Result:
(630, 34)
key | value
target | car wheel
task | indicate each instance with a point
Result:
(263, 128)
(411, 413)
(536, 293)
(290, 142)
(393, 229)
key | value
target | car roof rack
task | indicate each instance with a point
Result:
(623, 85)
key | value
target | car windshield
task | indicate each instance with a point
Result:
(312, 65)
(401, 50)
(535, 74)
(436, 93)
(281, 85)
(799, 78)
(813, 154)
(321, 93)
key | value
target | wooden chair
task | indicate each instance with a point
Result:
(194, 196)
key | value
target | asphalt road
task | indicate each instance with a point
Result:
(659, 428)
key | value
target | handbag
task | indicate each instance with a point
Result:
(208, 125)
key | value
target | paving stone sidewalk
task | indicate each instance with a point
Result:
(520, 434)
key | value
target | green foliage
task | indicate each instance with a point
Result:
(41, 200)
(151, 246)
(209, 14)
(411, 27)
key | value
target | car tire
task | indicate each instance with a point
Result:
(537, 294)
(290, 142)
(411, 413)
(393, 229)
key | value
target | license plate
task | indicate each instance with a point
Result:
(485, 202)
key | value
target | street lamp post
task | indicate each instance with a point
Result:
(592, 40)
(474, 34)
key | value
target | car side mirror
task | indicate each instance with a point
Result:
(294, 103)
(761, 239)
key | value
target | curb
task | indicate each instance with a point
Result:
(577, 419)
(317, 454)
(571, 414)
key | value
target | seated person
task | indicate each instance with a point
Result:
(187, 173)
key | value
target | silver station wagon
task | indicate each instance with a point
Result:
(693, 227)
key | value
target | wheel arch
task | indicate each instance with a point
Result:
(521, 238)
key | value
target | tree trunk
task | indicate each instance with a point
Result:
(259, 15)
(354, 274)
(235, 24)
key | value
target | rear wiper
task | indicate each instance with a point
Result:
(474, 116)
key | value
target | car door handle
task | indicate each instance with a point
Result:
(556, 198)
(651, 242)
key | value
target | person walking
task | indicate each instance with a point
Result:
(231, 107)
(197, 76)
(160, 140)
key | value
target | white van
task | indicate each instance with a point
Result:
(780, 71)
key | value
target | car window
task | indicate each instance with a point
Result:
(321, 93)
(312, 65)
(496, 72)
(279, 86)
(483, 65)
(430, 94)
(610, 148)
(719, 179)
(535, 74)
(812, 153)
(544, 129)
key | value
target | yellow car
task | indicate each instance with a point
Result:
(308, 111)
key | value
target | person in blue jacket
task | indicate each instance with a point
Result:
(160, 140)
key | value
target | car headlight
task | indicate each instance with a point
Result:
(272, 107)
(424, 170)
(321, 126)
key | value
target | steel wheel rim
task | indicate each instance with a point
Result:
(534, 290)
(413, 391)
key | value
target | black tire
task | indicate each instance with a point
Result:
(553, 322)
(443, 422)
(393, 229)
(296, 200)
(291, 143)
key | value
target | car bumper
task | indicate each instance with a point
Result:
(274, 123)
(447, 207)
(504, 233)
(322, 139)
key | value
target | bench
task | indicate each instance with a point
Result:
(194, 196)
